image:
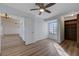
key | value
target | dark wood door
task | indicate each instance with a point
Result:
(71, 30)
(78, 30)
(78, 33)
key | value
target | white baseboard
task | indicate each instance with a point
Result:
(27, 43)
(9, 34)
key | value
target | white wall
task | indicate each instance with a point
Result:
(28, 31)
(41, 29)
(9, 27)
(21, 29)
(35, 29)
(70, 17)
(59, 37)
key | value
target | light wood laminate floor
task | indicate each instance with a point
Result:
(14, 46)
(70, 47)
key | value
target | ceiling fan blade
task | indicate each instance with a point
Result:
(34, 9)
(40, 13)
(41, 5)
(37, 4)
(47, 11)
(49, 5)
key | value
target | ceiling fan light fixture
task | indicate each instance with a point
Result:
(41, 10)
(72, 14)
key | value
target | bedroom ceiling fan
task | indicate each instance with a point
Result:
(43, 7)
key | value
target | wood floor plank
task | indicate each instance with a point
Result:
(14, 46)
(70, 47)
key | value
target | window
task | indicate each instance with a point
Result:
(52, 27)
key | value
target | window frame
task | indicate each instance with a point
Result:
(53, 30)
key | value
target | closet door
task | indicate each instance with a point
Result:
(71, 30)
(78, 33)
(78, 30)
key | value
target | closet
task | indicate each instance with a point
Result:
(78, 32)
(71, 29)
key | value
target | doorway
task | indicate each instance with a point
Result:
(70, 36)
(12, 33)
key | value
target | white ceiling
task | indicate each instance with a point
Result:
(58, 8)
